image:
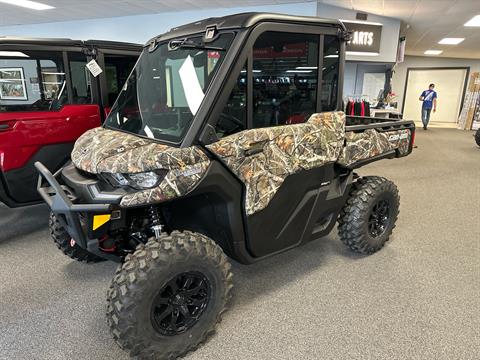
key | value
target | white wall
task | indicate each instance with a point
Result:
(390, 32)
(141, 28)
(398, 79)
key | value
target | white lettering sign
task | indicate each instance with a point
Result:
(362, 38)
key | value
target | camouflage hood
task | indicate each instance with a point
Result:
(107, 151)
(103, 150)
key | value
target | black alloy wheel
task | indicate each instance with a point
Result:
(369, 215)
(379, 218)
(180, 303)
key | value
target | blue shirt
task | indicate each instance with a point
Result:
(428, 96)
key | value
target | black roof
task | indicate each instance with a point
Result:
(15, 40)
(244, 20)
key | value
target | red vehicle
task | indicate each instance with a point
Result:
(48, 98)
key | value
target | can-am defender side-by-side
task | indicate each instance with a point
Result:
(226, 140)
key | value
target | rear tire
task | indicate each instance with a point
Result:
(368, 218)
(63, 241)
(169, 295)
(477, 137)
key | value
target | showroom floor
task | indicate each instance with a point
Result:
(416, 299)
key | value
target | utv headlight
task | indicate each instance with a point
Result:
(140, 181)
(145, 180)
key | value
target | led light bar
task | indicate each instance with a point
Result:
(362, 53)
(299, 71)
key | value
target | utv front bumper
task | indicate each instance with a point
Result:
(77, 219)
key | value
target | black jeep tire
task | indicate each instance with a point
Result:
(62, 240)
(368, 218)
(477, 137)
(149, 293)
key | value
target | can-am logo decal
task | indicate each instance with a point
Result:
(396, 137)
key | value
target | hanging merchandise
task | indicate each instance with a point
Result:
(470, 115)
(357, 106)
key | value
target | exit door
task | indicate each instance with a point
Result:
(449, 85)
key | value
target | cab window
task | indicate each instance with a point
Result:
(233, 117)
(117, 69)
(285, 73)
(32, 81)
(80, 78)
(330, 68)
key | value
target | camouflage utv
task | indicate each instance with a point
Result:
(227, 141)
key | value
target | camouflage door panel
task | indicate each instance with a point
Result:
(108, 151)
(284, 150)
(370, 143)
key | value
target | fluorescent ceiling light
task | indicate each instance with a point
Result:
(362, 53)
(433, 52)
(299, 71)
(451, 41)
(255, 71)
(475, 21)
(28, 4)
(306, 68)
(332, 56)
(13, 54)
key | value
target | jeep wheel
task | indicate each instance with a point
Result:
(477, 137)
(64, 243)
(368, 218)
(169, 295)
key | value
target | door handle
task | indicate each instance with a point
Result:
(255, 148)
(4, 127)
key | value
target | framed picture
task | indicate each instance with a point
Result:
(12, 84)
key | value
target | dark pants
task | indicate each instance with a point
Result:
(426, 116)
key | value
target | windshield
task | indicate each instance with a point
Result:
(166, 87)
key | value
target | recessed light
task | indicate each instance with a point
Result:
(28, 4)
(451, 41)
(433, 52)
(475, 21)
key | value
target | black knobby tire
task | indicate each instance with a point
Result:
(63, 241)
(144, 276)
(477, 137)
(358, 226)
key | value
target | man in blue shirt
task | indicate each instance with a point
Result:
(429, 98)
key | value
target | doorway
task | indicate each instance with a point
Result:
(450, 86)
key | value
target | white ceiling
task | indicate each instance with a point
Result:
(425, 22)
(93, 9)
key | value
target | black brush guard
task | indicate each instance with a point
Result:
(59, 198)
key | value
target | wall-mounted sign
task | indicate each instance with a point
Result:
(365, 37)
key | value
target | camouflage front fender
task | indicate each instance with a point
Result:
(107, 151)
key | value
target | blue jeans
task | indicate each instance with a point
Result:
(426, 116)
